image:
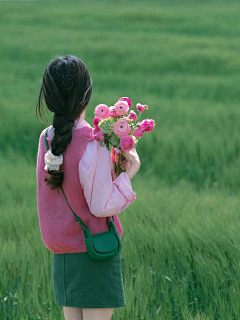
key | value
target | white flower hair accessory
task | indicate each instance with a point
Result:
(52, 162)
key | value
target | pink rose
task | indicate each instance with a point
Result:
(121, 107)
(127, 100)
(140, 107)
(126, 143)
(138, 132)
(96, 121)
(99, 136)
(102, 111)
(132, 115)
(148, 124)
(121, 128)
(112, 112)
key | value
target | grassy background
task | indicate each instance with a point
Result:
(182, 59)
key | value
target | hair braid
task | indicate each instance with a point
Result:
(62, 137)
(62, 133)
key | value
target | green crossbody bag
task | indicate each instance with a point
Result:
(100, 246)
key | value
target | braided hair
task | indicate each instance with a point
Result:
(66, 90)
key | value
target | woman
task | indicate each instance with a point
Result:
(87, 289)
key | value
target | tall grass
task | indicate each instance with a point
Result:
(180, 252)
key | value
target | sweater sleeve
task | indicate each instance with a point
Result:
(105, 197)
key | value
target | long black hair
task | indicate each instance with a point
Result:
(66, 90)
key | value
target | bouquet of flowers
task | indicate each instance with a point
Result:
(119, 128)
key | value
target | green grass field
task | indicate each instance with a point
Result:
(181, 243)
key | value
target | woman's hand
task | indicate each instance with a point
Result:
(131, 163)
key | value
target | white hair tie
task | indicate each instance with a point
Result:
(52, 162)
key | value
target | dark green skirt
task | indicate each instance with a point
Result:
(81, 282)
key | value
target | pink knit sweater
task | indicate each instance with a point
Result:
(93, 198)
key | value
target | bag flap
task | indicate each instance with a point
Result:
(105, 242)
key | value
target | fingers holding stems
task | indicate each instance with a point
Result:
(125, 164)
(131, 163)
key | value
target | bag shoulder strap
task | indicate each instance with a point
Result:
(79, 221)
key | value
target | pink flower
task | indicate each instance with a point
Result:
(121, 128)
(102, 111)
(112, 154)
(117, 151)
(96, 121)
(141, 126)
(140, 107)
(127, 100)
(112, 112)
(132, 115)
(124, 119)
(138, 132)
(126, 143)
(148, 124)
(116, 158)
(99, 136)
(121, 107)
